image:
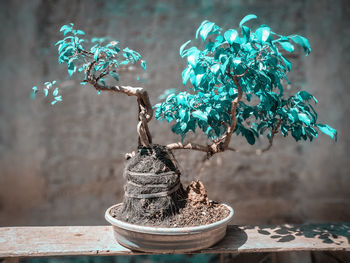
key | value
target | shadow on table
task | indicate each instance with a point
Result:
(328, 233)
(235, 238)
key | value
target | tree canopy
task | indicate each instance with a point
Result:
(242, 69)
(236, 84)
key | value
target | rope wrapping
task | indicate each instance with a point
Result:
(153, 190)
(162, 190)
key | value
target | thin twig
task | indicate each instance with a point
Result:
(273, 132)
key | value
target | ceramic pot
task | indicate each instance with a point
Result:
(168, 240)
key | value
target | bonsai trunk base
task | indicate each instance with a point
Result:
(167, 239)
(153, 189)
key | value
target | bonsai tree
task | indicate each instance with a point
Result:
(237, 80)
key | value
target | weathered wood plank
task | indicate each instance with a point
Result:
(98, 240)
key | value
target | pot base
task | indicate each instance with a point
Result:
(168, 240)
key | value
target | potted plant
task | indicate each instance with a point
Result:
(236, 88)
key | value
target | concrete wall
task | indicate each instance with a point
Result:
(63, 165)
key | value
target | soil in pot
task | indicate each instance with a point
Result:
(187, 216)
(154, 194)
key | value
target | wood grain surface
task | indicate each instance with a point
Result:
(99, 240)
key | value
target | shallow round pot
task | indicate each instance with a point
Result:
(167, 240)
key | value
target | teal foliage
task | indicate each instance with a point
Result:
(257, 55)
(49, 89)
(104, 55)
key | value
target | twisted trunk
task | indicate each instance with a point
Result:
(145, 111)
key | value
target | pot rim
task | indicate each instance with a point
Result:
(166, 230)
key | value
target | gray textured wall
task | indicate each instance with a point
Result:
(63, 164)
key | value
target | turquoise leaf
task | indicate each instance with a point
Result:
(181, 99)
(183, 126)
(80, 32)
(184, 115)
(304, 95)
(200, 27)
(287, 46)
(34, 92)
(311, 131)
(326, 129)
(249, 135)
(263, 33)
(193, 58)
(247, 18)
(143, 64)
(293, 115)
(55, 92)
(66, 29)
(215, 68)
(287, 63)
(246, 33)
(304, 118)
(71, 69)
(206, 29)
(183, 47)
(62, 46)
(97, 52)
(186, 74)
(231, 36)
(200, 115)
(303, 42)
(198, 79)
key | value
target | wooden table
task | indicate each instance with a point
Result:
(16, 242)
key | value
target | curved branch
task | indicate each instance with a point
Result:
(139, 92)
(233, 109)
(188, 146)
(128, 90)
(215, 147)
(221, 144)
(145, 107)
(239, 75)
(209, 149)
